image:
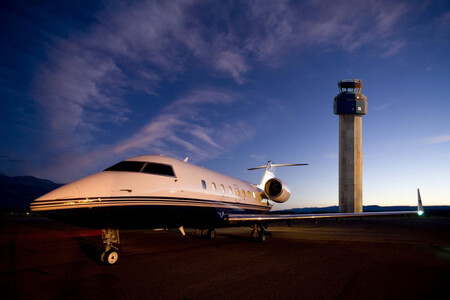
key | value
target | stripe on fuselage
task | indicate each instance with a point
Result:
(58, 204)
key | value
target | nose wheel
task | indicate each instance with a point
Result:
(111, 243)
(110, 257)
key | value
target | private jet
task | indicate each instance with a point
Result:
(156, 191)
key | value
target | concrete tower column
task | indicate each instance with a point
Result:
(350, 105)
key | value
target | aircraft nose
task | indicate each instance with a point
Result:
(64, 192)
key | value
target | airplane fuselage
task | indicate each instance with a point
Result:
(152, 191)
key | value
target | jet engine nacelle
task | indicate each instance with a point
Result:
(276, 190)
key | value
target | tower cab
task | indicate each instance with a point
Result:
(350, 100)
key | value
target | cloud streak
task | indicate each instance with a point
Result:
(186, 124)
(186, 127)
(435, 140)
(383, 106)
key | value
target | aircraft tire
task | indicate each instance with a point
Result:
(110, 257)
(262, 238)
(211, 234)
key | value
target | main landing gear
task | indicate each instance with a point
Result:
(111, 243)
(259, 234)
(209, 234)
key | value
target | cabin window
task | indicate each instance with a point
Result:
(249, 195)
(243, 193)
(230, 190)
(213, 186)
(237, 192)
(158, 169)
(254, 195)
(204, 184)
(222, 188)
(127, 166)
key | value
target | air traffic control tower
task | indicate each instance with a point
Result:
(350, 105)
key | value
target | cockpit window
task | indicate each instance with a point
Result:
(127, 166)
(158, 169)
(144, 167)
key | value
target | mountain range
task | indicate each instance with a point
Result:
(16, 193)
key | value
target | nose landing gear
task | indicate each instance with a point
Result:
(111, 243)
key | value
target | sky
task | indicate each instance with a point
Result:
(231, 85)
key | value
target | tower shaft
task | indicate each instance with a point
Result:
(350, 163)
(350, 104)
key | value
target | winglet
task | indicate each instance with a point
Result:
(420, 210)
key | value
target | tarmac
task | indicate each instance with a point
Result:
(385, 257)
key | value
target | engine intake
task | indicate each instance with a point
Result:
(276, 190)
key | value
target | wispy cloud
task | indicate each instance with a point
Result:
(435, 140)
(184, 123)
(258, 157)
(140, 44)
(383, 106)
(333, 155)
(186, 127)
(233, 63)
(443, 22)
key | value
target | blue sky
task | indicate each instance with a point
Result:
(231, 85)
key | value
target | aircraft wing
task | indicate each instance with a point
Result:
(239, 218)
(252, 218)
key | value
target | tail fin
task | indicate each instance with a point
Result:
(269, 173)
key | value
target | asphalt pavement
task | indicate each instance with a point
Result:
(386, 257)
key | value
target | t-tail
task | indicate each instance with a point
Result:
(273, 188)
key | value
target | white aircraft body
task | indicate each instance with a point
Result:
(156, 191)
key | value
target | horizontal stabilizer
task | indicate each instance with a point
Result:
(277, 165)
